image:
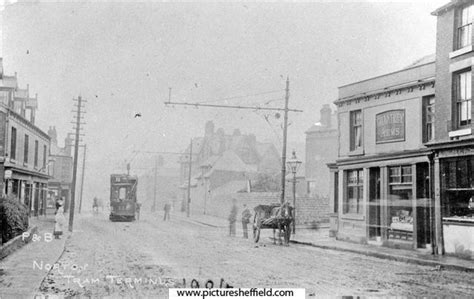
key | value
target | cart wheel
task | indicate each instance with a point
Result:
(256, 233)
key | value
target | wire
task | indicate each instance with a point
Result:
(240, 97)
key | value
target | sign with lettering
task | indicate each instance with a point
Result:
(390, 126)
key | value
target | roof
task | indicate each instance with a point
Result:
(444, 8)
(423, 60)
(230, 161)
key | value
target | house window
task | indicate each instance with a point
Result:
(465, 27)
(336, 192)
(428, 118)
(463, 94)
(36, 153)
(399, 204)
(13, 144)
(44, 157)
(25, 153)
(356, 129)
(354, 192)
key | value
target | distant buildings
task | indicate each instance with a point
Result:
(60, 170)
(225, 163)
(321, 148)
(24, 148)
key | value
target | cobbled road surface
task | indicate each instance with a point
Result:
(142, 259)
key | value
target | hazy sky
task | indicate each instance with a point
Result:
(122, 57)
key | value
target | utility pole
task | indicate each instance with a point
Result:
(189, 178)
(78, 124)
(153, 208)
(82, 179)
(285, 133)
(285, 125)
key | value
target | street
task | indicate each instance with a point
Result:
(146, 257)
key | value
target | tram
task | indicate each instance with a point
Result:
(123, 197)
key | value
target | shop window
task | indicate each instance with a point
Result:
(13, 144)
(354, 192)
(464, 32)
(356, 129)
(36, 153)
(400, 206)
(462, 96)
(457, 187)
(25, 152)
(428, 118)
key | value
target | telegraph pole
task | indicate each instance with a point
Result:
(82, 179)
(285, 125)
(78, 124)
(153, 208)
(285, 133)
(189, 178)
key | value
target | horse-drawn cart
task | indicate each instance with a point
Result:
(274, 216)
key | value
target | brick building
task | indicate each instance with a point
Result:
(453, 143)
(321, 142)
(24, 148)
(381, 189)
(60, 170)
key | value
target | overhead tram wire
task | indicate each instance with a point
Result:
(240, 97)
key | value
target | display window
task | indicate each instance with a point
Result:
(400, 206)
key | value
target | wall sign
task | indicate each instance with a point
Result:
(390, 126)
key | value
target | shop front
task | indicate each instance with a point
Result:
(456, 197)
(386, 201)
(28, 188)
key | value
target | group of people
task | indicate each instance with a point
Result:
(245, 218)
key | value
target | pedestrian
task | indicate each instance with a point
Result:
(137, 210)
(58, 200)
(95, 206)
(232, 218)
(60, 221)
(245, 220)
(167, 209)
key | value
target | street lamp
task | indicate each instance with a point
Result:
(293, 164)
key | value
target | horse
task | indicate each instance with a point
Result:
(284, 216)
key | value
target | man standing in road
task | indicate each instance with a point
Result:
(232, 218)
(245, 220)
(167, 209)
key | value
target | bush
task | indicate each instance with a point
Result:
(13, 218)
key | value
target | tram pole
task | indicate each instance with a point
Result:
(189, 178)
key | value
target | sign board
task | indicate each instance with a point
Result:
(390, 126)
(8, 174)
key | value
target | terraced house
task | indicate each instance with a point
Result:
(24, 148)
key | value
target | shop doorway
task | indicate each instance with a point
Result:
(375, 231)
(423, 205)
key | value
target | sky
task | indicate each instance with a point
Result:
(123, 57)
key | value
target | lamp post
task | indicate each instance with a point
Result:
(293, 164)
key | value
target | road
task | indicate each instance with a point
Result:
(146, 257)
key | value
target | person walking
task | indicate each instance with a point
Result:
(60, 221)
(232, 218)
(245, 220)
(167, 209)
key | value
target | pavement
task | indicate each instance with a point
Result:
(320, 238)
(22, 272)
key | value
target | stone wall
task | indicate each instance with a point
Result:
(310, 210)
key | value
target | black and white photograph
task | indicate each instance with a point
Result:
(236, 149)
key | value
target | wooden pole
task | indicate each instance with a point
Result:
(82, 178)
(189, 178)
(285, 133)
